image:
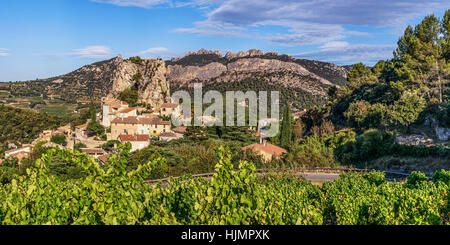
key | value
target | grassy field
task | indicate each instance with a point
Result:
(58, 109)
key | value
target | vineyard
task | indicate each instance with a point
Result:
(113, 195)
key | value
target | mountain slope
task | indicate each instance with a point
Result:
(302, 83)
(105, 78)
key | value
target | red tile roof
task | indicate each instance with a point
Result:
(128, 110)
(92, 151)
(140, 120)
(268, 148)
(168, 134)
(18, 150)
(169, 105)
(134, 138)
(125, 120)
(180, 130)
(104, 158)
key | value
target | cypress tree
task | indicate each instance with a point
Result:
(286, 128)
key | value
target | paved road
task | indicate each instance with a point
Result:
(321, 177)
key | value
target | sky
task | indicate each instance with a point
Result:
(45, 38)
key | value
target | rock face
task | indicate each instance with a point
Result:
(153, 87)
(414, 139)
(442, 133)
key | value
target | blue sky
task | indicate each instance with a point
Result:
(45, 38)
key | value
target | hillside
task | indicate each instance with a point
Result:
(17, 125)
(105, 78)
(302, 83)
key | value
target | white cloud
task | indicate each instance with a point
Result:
(307, 22)
(342, 12)
(134, 3)
(4, 52)
(345, 53)
(93, 52)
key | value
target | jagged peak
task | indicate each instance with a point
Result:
(249, 53)
(205, 51)
(229, 55)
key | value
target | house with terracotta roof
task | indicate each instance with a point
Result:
(267, 151)
(138, 125)
(180, 130)
(169, 136)
(128, 112)
(19, 153)
(81, 130)
(138, 141)
(94, 152)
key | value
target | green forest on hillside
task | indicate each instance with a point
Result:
(23, 126)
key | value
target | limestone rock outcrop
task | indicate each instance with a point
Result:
(153, 88)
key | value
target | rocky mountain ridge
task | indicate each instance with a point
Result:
(212, 68)
(304, 82)
(207, 64)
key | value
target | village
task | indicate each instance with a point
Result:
(134, 125)
(123, 124)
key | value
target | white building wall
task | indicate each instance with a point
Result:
(106, 119)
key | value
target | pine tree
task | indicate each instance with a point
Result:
(423, 53)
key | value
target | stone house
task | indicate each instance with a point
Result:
(166, 110)
(267, 151)
(19, 153)
(138, 125)
(81, 130)
(169, 136)
(138, 141)
(94, 152)
(128, 112)
(111, 110)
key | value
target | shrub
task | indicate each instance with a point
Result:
(7, 174)
(416, 179)
(79, 146)
(59, 139)
(442, 176)
(375, 177)
(311, 153)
